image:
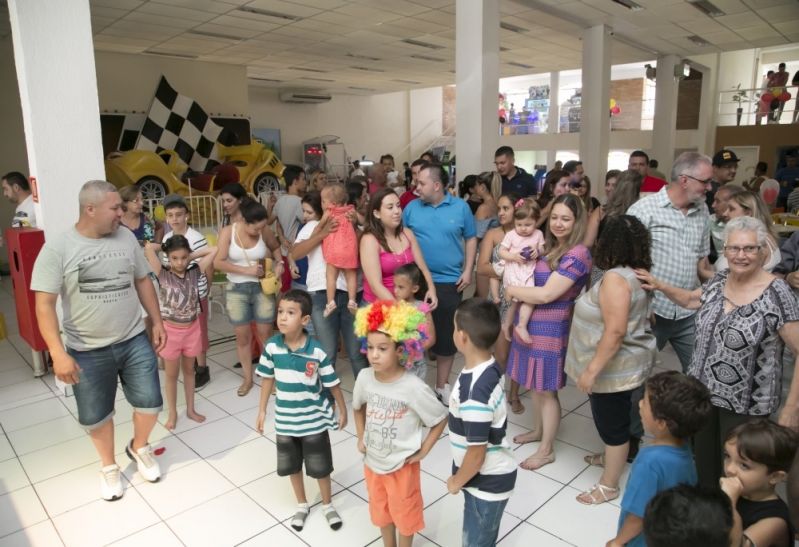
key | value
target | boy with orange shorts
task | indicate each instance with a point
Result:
(391, 407)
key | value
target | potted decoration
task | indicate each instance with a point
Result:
(739, 97)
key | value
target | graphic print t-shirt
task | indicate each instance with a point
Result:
(95, 278)
(396, 414)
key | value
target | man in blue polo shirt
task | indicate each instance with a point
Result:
(444, 227)
(514, 179)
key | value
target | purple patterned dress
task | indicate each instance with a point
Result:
(539, 365)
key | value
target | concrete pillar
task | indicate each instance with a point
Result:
(595, 114)
(54, 57)
(554, 104)
(705, 133)
(477, 80)
(664, 127)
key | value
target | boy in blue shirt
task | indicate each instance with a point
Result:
(295, 364)
(673, 409)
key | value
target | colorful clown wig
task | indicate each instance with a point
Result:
(402, 322)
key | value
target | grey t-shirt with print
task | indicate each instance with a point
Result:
(396, 414)
(95, 278)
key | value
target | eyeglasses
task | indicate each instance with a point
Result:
(747, 249)
(700, 181)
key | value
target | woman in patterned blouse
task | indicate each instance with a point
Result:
(746, 317)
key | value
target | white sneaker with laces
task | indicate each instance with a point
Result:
(145, 462)
(443, 394)
(110, 483)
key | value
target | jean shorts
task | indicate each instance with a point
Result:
(314, 450)
(246, 302)
(133, 362)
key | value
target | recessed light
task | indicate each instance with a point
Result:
(421, 44)
(629, 4)
(269, 13)
(428, 58)
(706, 7)
(513, 28)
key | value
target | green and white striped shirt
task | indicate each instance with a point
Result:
(300, 407)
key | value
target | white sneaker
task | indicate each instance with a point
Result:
(110, 483)
(145, 463)
(443, 394)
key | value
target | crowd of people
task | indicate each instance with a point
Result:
(564, 287)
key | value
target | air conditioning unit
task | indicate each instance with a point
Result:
(311, 97)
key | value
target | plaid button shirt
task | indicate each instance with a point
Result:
(679, 241)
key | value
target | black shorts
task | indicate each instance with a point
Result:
(612, 416)
(448, 300)
(314, 450)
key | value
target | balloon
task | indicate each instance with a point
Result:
(612, 104)
(210, 237)
(769, 191)
(159, 214)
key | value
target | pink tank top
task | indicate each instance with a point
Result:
(389, 262)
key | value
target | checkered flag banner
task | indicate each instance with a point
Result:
(176, 122)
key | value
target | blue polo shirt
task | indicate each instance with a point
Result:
(442, 231)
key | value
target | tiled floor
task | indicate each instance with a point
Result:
(220, 486)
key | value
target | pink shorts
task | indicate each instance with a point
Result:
(182, 341)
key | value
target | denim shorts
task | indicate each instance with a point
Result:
(133, 362)
(481, 520)
(246, 302)
(314, 450)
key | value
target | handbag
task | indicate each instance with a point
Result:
(270, 284)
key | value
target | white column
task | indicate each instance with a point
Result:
(664, 127)
(705, 133)
(554, 105)
(54, 58)
(477, 80)
(595, 115)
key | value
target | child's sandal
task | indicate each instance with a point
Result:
(298, 522)
(589, 496)
(333, 520)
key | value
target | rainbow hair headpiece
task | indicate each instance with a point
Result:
(404, 323)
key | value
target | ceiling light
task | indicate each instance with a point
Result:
(364, 57)
(520, 65)
(264, 79)
(316, 79)
(698, 40)
(307, 69)
(629, 4)
(367, 69)
(707, 8)
(269, 13)
(169, 54)
(412, 82)
(361, 88)
(421, 44)
(513, 28)
(503, 48)
(215, 35)
(427, 58)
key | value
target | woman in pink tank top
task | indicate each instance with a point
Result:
(385, 246)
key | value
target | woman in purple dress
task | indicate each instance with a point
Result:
(560, 275)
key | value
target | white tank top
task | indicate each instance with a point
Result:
(236, 256)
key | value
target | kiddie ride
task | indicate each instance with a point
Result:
(253, 165)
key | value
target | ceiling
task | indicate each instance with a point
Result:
(372, 46)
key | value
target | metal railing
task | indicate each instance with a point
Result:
(758, 106)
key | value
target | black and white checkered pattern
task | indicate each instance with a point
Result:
(176, 122)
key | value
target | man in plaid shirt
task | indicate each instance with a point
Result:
(677, 220)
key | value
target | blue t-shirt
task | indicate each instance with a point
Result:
(656, 468)
(789, 175)
(442, 231)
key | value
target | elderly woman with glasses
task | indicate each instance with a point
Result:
(746, 316)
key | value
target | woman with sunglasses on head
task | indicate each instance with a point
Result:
(746, 316)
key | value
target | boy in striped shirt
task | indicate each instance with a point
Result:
(296, 365)
(483, 466)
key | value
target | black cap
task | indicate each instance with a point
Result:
(723, 157)
(174, 199)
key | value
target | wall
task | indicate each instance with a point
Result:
(628, 94)
(769, 138)
(128, 82)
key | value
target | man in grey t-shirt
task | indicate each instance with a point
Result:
(102, 278)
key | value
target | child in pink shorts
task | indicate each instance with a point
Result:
(179, 297)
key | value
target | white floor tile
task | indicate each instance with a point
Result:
(158, 535)
(580, 431)
(54, 460)
(217, 436)
(444, 521)
(27, 415)
(174, 456)
(224, 380)
(21, 373)
(6, 451)
(526, 534)
(247, 461)
(38, 535)
(23, 390)
(20, 509)
(597, 523)
(438, 461)
(102, 522)
(241, 519)
(567, 465)
(12, 476)
(229, 401)
(249, 416)
(356, 530)
(347, 462)
(205, 407)
(72, 489)
(274, 494)
(531, 492)
(45, 434)
(184, 488)
(276, 536)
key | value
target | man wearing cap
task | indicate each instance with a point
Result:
(639, 161)
(725, 166)
(514, 179)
